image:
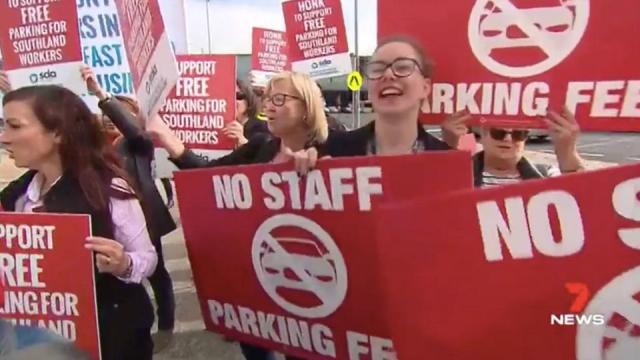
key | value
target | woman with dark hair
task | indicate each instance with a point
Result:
(247, 124)
(72, 169)
(137, 150)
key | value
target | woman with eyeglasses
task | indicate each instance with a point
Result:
(502, 160)
(399, 77)
(296, 119)
(247, 124)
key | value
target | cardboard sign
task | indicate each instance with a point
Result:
(203, 101)
(269, 55)
(507, 61)
(40, 43)
(304, 278)
(103, 49)
(317, 37)
(539, 270)
(39, 254)
(153, 66)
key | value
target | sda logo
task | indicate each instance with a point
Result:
(45, 75)
(325, 62)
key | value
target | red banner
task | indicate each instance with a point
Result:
(510, 60)
(539, 270)
(293, 267)
(317, 37)
(39, 254)
(151, 59)
(203, 101)
(40, 43)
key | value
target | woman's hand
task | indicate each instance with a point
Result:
(564, 131)
(454, 127)
(92, 82)
(110, 256)
(235, 131)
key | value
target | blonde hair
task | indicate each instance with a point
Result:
(310, 93)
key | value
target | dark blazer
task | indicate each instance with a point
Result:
(356, 142)
(137, 152)
(526, 169)
(255, 126)
(258, 150)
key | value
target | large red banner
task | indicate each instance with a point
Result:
(203, 101)
(40, 43)
(540, 270)
(151, 59)
(510, 60)
(39, 255)
(291, 265)
(317, 37)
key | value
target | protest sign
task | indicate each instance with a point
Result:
(508, 61)
(539, 270)
(103, 49)
(151, 60)
(203, 101)
(40, 43)
(269, 55)
(305, 276)
(317, 37)
(39, 255)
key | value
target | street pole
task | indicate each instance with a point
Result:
(208, 28)
(356, 94)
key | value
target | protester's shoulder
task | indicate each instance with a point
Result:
(18, 184)
(547, 170)
(433, 143)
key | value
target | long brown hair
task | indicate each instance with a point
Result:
(83, 150)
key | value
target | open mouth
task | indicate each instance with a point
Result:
(390, 92)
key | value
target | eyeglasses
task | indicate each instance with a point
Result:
(516, 135)
(240, 96)
(278, 99)
(401, 67)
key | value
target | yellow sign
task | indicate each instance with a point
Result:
(354, 81)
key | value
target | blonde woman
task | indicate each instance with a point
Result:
(295, 114)
(292, 103)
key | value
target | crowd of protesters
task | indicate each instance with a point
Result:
(102, 165)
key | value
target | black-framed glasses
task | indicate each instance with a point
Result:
(401, 67)
(501, 134)
(278, 99)
(240, 96)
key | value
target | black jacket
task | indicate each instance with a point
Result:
(123, 309)
(356, 142)
(526, 169)
(137, 151)
(258, 150)
(255, 126)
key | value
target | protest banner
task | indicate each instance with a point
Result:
(538, 270)
(203, 101)
(270, 54)
(40, 43)
(317, 37)
(151, 60)
(508, 61)
(39, 255)
(103, 49)
(304, 279)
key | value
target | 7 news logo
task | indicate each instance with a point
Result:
(582, 294)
